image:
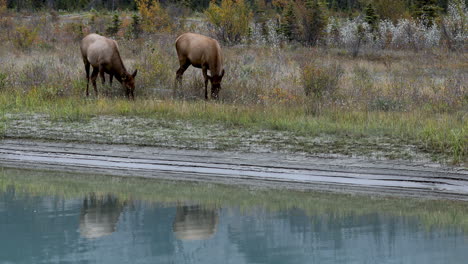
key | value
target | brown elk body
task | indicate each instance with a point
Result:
(201, 52)
(103, 54)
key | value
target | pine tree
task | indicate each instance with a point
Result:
(427, 11)
(371, 17)
(136, 26)
(315, 21)
(288, 25)
(260, 9)
(115, 26)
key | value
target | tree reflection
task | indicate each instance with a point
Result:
(193, 222)
(99, 215)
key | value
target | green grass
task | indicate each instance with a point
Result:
(441, 134)
(432, 213)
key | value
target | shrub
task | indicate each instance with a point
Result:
(267, 33)
(7, 27)
(321, 81)
(332, 32)
(33, 74)
(354, 34)
(230, 20)
(156, 70)
(454, 25)
(154, 17)
(386, 104)
(3, 6)
(357, 34)
(363, 83)
(24, 37)
(74, 31)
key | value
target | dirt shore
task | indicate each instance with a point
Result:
(344, 175)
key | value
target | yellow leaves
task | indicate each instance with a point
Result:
(231, 19)
(154, 17)
(3, 6)
(280, 4)
(24, 37)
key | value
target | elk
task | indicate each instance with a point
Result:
(201, 52)
(103, 54)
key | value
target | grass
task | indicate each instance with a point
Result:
(440, 134)
(381, 97)
(432, 213)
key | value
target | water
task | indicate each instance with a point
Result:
(75, 219)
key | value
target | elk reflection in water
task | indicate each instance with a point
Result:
(194, 222)
(99, 215)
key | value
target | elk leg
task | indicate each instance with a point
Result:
(87, 77)
(205, 75)
(111, 77)
(178, 81)
(93, 79)
(101, 73)
(181, 71)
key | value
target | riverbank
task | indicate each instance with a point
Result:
(416, 136)
(299, 172)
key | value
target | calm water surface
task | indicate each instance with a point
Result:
(39, 225)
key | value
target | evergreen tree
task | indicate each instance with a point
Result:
(115, 26)
(288, 24)
(315, 21)
(136, 26)
(371, 17)
(427, 11)
(259, 9)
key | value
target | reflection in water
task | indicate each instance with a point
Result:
(99, 215)
(193, 222)
(39, 227)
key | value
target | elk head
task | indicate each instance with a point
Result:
(128, 81)
(216, 84)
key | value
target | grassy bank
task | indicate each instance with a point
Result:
(441, 134)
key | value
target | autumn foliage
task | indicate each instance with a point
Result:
(3, 6)
(154, 17)
(230, 19)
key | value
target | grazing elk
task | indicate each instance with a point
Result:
(201, 52)
(103, 54)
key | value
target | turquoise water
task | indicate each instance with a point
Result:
(37, 227)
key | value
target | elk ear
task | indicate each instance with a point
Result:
(134, 73)
(222, 73)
